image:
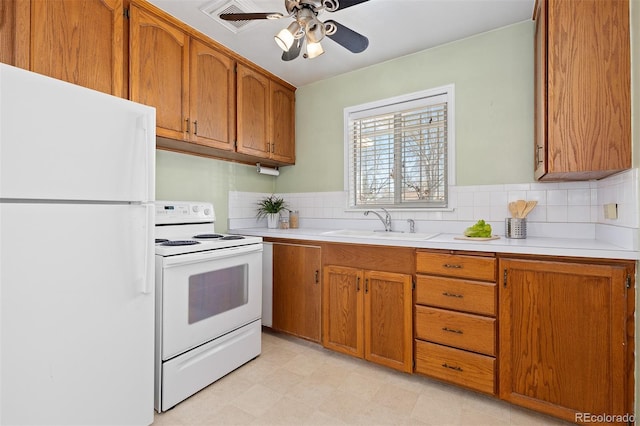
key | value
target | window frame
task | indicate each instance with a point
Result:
(404, 101)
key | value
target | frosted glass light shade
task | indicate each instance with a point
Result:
(284, 39)
(314, 50)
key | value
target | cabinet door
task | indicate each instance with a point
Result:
(342, 310)
(296, 290)
(212, 97)
(159, 71)
(540, 91)
(562, 337)
(282, 120)
(588, 89)
(388, 319)
(76, 41)
(253, 112)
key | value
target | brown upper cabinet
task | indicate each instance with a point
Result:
(155, 59)
(81, 42)
(191, 84)
(212, 88)
(208, 101)
(266, 113)
(582, 89)
(159, 71)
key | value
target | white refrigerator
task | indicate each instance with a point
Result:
(77, 172)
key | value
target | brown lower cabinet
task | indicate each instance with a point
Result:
(455, 324)
(297, 289)
(553, 334)
(367, 312)
(566, 337)
(368, 315)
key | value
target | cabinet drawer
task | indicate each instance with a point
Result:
(456, 265)
(464, 331)
(456, 366)
(462, 295)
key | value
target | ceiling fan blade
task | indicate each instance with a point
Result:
(249, 16)
(347, 38)
(343, 4)
(294, 51)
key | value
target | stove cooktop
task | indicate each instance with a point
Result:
(196, 243)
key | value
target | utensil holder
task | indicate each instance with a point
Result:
(515, 227)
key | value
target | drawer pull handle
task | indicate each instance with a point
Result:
(459, 296)
(445, 365)
(451, 330)
(450, 266)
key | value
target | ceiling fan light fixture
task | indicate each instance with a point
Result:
(284, 39)
(313, 50)
(315, 31)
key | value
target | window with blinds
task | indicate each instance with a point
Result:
(398, 151)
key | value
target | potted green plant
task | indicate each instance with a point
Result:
(270, 208)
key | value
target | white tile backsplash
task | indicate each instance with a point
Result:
(564, 209)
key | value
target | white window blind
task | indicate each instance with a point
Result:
(397, 152)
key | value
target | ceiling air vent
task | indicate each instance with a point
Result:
(215, 9)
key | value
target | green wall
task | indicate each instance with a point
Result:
(493, 77)
(181, 177)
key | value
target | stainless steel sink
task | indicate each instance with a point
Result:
(392, 235)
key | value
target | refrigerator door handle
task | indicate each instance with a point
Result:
(145, 142)
(147, 264)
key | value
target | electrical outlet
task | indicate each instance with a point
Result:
(611, 211)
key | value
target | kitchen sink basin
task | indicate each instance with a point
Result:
(392, 235)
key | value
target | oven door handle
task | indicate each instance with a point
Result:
(204, 256)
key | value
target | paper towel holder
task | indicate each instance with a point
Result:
(267, 170)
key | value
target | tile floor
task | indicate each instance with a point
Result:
(294, 382)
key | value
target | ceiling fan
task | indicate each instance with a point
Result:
(307, 29)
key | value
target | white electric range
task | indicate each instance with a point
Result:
(208, 300)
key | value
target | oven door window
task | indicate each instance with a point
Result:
(212, 293)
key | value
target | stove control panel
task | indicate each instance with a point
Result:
(174, 212)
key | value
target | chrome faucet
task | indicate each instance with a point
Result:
(386, 221)
(412, 225)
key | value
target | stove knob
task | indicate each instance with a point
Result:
(207, 212)
(196, 209)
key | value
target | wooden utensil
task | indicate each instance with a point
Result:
(529, 206)
(521, 205)
(513, 209)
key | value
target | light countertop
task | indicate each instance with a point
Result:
(575, 247)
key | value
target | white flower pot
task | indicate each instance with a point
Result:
(272, 220)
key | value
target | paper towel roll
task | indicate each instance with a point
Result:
(267, 170)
